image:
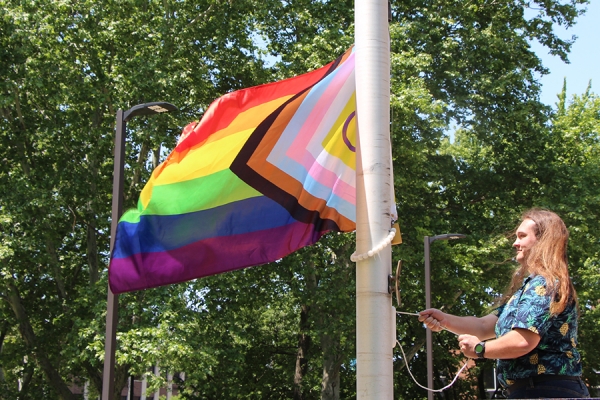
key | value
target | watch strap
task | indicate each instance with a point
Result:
(480, 350)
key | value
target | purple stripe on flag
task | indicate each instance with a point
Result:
(208, 257)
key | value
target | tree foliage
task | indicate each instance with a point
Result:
(287, 329)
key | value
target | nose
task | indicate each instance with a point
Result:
(516, 244)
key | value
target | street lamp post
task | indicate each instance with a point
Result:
(112, 306)
(427, 241)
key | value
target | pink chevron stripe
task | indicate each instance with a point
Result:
(297, 150)
(319, 110)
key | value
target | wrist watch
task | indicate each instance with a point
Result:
(480, 350)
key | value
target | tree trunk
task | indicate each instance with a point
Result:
(94, 376)
(92, 251)
(121, 376)
(301, 355)
(52, 375)
(27, 378)
(155, 157)
(2, 336)
(137, 171)
(55, 264)
(92, 242)
(330, 385)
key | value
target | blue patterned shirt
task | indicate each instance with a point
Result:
(556, 353)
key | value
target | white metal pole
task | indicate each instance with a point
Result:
(373, 302)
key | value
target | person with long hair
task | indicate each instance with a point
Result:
(533, 331)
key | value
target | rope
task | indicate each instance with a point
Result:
(408, 313)
(408, 369)
(423, 387)
(386, 242)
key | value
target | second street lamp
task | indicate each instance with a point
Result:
(427, 241)
(112, 306)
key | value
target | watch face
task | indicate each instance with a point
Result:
(478, 348)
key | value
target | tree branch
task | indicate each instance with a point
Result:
(28, 335)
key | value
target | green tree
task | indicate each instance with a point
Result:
(466, 68)
(67, 67)
(559, 171)
(574, 192)
(284, 329)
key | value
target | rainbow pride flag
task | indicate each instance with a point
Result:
(268, 170)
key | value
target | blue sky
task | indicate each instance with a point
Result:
(584, 58)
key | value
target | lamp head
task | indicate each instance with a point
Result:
(447, 236)
(157, 107)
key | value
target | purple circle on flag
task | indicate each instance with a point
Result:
(345, 133)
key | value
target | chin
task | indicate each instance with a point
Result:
(519, 258)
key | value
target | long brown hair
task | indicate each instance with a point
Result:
(548, 258)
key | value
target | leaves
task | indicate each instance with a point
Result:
(472, 147)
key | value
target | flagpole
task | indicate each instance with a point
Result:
(374, 326)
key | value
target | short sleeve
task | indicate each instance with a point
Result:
(533, 308)
(498, 310)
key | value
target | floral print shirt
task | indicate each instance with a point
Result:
(556, 353)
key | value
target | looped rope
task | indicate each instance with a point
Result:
(424, 387)
(386, 242)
